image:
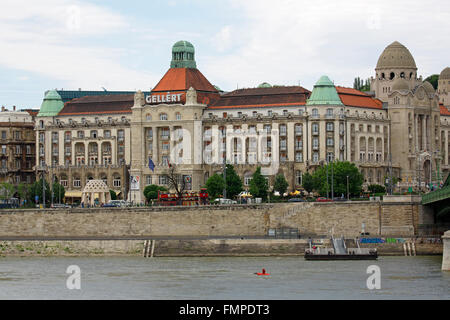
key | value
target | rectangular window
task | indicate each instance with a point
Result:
(120, 135)
(315, 157)
(330, 126)
(315, 142)
(330, 142)
(163, 180)
(3, 135)
(315, 128)
(148, 180)
(77, 183)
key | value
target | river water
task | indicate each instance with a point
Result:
(204, 278)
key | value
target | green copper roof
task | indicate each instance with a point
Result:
(51, 105)
(265, 85)
(324, 93)
(183, 55)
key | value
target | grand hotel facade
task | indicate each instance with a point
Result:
(401, 126)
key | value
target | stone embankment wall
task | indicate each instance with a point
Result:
(384, 219)
(210, 247)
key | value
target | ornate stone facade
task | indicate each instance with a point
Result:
(17, 142)
(398, 128)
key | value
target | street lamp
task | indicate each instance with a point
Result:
(348, 194)
(43, 185)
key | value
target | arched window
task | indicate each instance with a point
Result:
(148, 117)
(402, 75)
(163, 116)
(315, 112)
(178, 116)
(392, 76)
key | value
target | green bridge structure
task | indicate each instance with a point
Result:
(439, 201)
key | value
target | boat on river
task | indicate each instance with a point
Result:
(340, 252)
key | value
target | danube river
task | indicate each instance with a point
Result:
(221, 278)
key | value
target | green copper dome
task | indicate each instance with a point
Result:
(265, 85)
(324, 93)
(51, 105)
(183, 55)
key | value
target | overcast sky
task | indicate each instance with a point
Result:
(126, 45)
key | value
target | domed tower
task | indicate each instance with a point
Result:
(395, 62)
(443, 90)
(183, 55)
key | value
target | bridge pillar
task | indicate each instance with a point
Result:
(446, 254)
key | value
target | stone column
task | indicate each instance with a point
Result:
(99, 153)
(446, 147)
(229, 143)
(215, 144)
(424, 133)
(61, 148)
(114, 152)
(86, 153)
(259, 130)
(127, 143)
(73, 153)
(290, 141)
(275, 141)
(337, 139)
(322, 140)
(416, 132)
(155, 156)
(446, 252)
(244, 131)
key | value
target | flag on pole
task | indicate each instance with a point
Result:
(151, 165)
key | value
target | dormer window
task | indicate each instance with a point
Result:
(163, 116)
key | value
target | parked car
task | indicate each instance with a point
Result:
(296, 200)
(323, 199)
(224, 201)
(61, 205)
(116, 203)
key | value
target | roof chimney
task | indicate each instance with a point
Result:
(3, 108)
(14, 108)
